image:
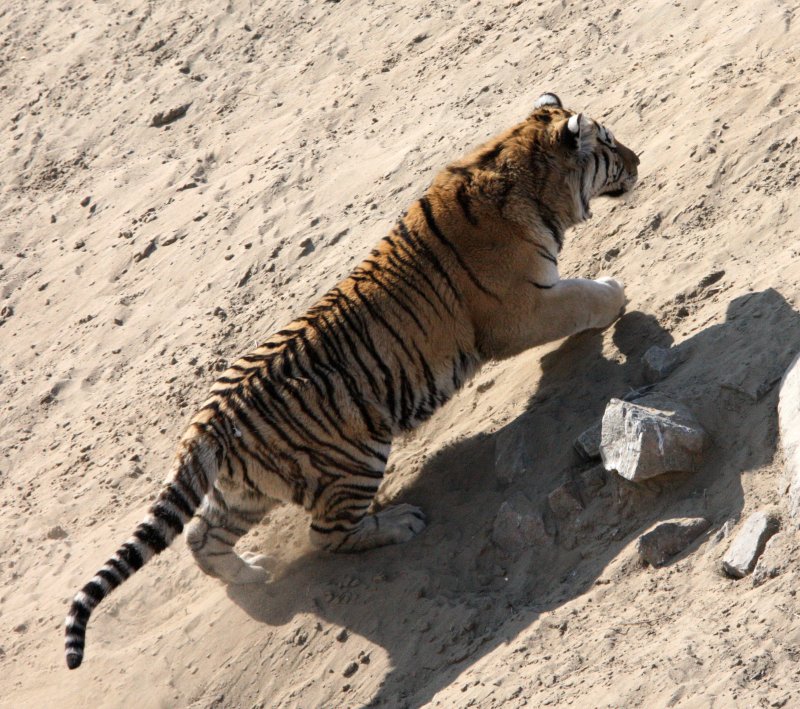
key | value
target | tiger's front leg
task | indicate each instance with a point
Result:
(341, 523)
(544, 315)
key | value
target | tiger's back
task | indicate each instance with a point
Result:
(468, 274)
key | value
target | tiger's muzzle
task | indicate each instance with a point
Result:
(628, 172)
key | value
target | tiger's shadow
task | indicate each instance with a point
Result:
(448, 598)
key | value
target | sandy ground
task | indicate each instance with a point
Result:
(136, 261)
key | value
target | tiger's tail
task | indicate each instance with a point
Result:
(193, 473)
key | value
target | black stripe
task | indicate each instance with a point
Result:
(434, 227)
(463, 200)
(95, 591)
(547, 255)
(400, 267)
(119, 568)
(540, 285)
(80, 612)
(487, 158)
(166, 515)
(176, 498)
(402, 303)
(369, 344)
(131, 556)
(109, 578)
(548, 219)
(151, 536)
(416, 243)
(406, 252)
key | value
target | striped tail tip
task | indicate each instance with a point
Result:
(74, 659)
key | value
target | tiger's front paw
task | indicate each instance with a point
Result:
(614, 300)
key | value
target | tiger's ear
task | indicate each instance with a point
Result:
(548, 99)
(571, 131)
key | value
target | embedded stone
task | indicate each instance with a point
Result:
(565, 501)
(588, 443)
(668, 538)
(749, 543)
(640, 442)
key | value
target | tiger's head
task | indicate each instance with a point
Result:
(590, 160)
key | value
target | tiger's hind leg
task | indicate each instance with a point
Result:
(340, 521)
(215, 529)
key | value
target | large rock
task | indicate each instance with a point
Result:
(641, 441)
(789, 422)
(749, 542)
(668, 538)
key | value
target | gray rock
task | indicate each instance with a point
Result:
(588, 443)
(640, 442)
(518, 526)
(789, 422)
(659, 362)
(668, 538)
(749, 543)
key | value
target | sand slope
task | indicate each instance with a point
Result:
(136, 261)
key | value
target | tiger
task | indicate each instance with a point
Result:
(468, 274)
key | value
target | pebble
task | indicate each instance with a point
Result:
(659, 362)
(668, 538)
(56, 532)
(749, 543)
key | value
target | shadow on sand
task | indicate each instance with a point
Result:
(454, 595)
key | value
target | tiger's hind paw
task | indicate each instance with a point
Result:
(399, 523)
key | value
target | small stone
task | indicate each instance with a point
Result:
(166, 117)
(350, 670)
(668, 538)
(56, 532)
(640, 441)
(341, 636)
(588, 443)
(658, 362)
(749, 543)
(308, 246)
(518, 526)
(6, 311)
(789, 424)
(85, 201)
